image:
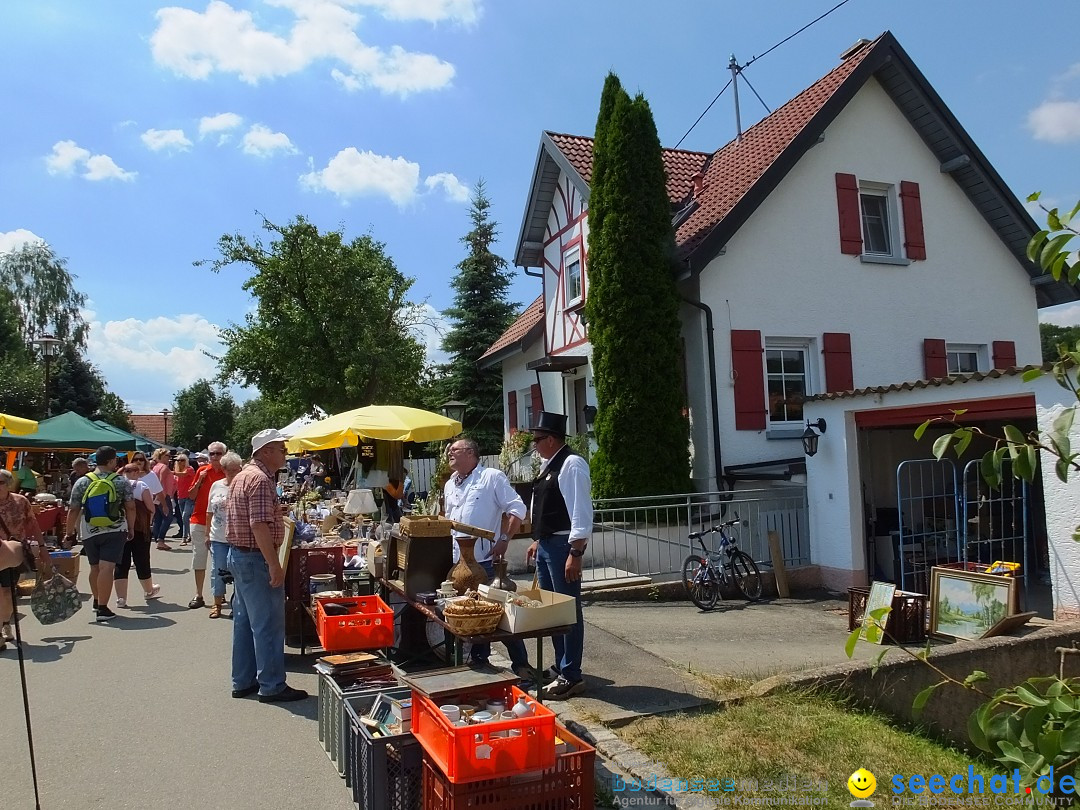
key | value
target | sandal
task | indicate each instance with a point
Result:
(164, 547)
(197, 602)
(215, 612)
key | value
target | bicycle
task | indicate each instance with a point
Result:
(704, 574)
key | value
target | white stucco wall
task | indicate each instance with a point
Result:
(783, 273)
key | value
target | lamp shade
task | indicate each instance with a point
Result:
(360, 502)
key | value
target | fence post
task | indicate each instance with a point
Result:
(779, 571)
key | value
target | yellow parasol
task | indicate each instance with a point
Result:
(17, 426)
(392, 423)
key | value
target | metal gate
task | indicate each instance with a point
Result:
(993, 523)
(928, 498)
(996, 520)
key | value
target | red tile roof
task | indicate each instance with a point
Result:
(532, 317)
(152, 426)
(681, 165)
(732, 171)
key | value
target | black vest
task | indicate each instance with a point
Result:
(549, 513)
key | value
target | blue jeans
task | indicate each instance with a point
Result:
(161, 524)
(515, 648)
(258, 650)
(551, 555)
(220, 559)
(183, 515)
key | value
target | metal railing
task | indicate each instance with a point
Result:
(635, 537)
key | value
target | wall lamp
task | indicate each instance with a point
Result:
(589, 412)
(810, 439)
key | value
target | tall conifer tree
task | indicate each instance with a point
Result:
(633, 310)
(480, 314)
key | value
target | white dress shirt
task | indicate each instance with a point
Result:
(576, 489)
(481, 500)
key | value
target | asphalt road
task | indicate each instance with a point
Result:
(138, 714)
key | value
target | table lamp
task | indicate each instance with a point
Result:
(360, 502)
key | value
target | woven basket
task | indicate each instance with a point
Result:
(425, 526)
(476, 619)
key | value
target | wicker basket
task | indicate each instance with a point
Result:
(473, 618)
(425, 526)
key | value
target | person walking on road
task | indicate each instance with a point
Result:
(255, 530)
(562, 519)
(205, 478)
(17, 523)
(105, 520)
(231, 463)
(137, 549)
(482, 496)
(184, 475)
(163, 510)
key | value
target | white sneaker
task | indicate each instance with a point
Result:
(121, 603)
(155, 593)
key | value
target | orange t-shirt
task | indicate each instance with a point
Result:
(202, 499)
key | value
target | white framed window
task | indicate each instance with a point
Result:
(524, 398)
(965, 358)
(572, 269)
(880, 220)
(788, 382)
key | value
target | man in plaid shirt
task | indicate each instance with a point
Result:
(255, 529)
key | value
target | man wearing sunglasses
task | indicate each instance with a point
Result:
(205, 477)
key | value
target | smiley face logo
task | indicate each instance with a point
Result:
(862, 784)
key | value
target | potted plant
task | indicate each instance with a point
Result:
(520, 463)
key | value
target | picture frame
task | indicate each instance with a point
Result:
(881, 596)
(967, 605)
(286, 544)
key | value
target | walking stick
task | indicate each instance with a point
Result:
(25, 694)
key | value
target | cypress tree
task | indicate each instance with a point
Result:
(480, 314)
(611, 93)
(633, 314)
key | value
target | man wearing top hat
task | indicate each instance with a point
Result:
(562, 519)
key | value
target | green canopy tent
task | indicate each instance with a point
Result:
(69, 431)
(143, 444)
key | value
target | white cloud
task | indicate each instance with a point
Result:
(158, 139)
(67, 156)
(1062, 315)
(13, 240)
(224, 39)
(431, 334)
(219, 124)
(351, 173)
(455, 190)
(463, 11)
(1055, 121)
(262, 142)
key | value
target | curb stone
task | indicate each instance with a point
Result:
(612, 748)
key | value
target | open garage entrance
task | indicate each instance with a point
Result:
(920, 512)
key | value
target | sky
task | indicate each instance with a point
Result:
(138, 133)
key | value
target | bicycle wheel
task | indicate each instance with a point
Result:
(746, 575)
(699, 582)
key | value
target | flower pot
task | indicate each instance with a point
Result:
(468, 574)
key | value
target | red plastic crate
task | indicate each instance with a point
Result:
(368, 625)
(568, 785)
(472, 753)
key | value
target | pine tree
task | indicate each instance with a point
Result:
(633, 313)
(480, 314)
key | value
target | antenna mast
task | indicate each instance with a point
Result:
(734, 67)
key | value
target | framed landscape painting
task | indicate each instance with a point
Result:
(964, 604)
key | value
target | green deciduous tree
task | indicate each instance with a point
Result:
(114, 410)
(255, 415)
(74, 383)
(332, 326)
(201, 409)
(44, 293)
(480, 314)
(633, 312)
(1052, 336)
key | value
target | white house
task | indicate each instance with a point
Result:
(855, 238)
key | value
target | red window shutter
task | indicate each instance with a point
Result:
(935, 363)
(511, 411)
(911, 202)
(749, 373)
(836, 346)
(847, 204)
(1004, 354)
(537, 400)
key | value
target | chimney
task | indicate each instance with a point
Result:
(699, 183)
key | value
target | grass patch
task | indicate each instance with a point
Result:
(810, 737)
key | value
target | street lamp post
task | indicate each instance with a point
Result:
(198, 441)
(165, 413)
(50, 347)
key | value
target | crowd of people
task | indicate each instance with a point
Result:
(230, 512)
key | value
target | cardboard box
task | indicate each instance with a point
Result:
(557, 610)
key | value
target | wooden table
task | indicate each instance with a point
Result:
(428, 611)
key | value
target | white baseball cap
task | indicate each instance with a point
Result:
(265, 437)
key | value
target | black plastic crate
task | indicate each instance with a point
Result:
(385, 773)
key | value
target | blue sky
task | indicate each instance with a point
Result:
(138, 133)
